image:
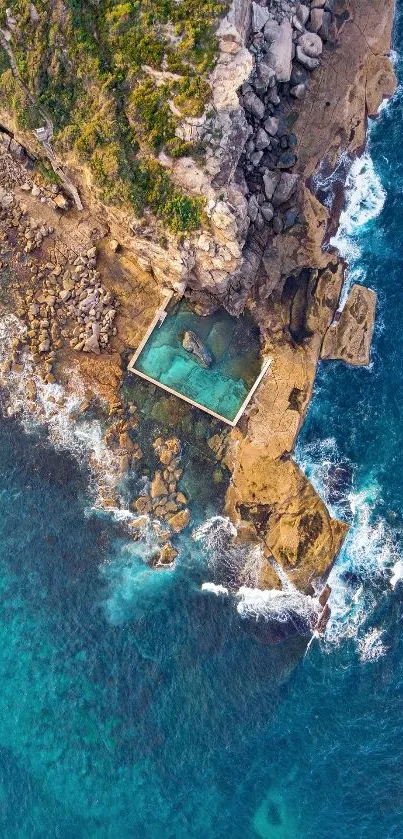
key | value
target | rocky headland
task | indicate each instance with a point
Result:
(291, 90)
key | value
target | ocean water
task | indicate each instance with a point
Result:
(137, 704)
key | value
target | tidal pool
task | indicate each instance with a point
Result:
(232, 343)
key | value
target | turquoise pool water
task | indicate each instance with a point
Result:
(232, 343)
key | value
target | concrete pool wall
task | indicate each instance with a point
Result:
(151, 336)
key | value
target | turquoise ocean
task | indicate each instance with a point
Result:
(136, 704)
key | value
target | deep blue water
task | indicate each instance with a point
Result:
(133, 705)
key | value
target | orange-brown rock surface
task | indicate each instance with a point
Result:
(296, 307)
(349, 339)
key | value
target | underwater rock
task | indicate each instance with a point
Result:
(192, 344)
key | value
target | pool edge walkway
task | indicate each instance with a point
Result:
(158, 318)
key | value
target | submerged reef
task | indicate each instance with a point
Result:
(147, 149)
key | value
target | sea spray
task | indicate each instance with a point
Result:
(231, 562)
(59, 412)
(365, 200)
(228, 560)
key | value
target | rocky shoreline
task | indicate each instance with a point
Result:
(83, 295)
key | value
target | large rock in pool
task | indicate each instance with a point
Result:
(192, 344)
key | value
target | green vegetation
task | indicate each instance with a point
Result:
(97, 71)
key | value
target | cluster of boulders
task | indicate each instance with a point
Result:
(49, 194)
(69, 302)
(164, 501)
(63, 301)
(88, 303)
(287, 42)
(126, 451)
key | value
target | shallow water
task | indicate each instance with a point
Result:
(233, 347)
(135, 704)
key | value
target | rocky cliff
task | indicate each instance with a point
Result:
(298, 288)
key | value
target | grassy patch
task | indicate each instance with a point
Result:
(85, 65)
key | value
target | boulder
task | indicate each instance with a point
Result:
(316, 20)
(279, 56)
(302, 13)
(260, 16)
(349, 339)
(253, 208)
(264, 75)
(267, 211)
(253, 104)
(298, 91)
(271, 180)
(61, 202)
(262, 140)
(179, 521)
(325, 28)
(285, 188)
(193, 344)
(311, 44)
(158, 487)
(271, 126)
(92, 343)
(167, 555)
(306, 60)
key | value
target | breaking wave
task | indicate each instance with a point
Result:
(236, 568)
(290, 607)
(213, 588)
(60, 413)
(365, 198)
(368, 562)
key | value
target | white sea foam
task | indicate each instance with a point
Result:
(370, 646)
(365, 200)
(230, 562)
(58, 411)
(237, 569)
(397, 573)
(215, 589)
(214, 531)
(278, 606)
(368, 555)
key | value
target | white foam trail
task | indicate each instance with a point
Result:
(365, 200)
(279, 606)
(215, 589)
(370, 646)
(58, 411)
(397, 573)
